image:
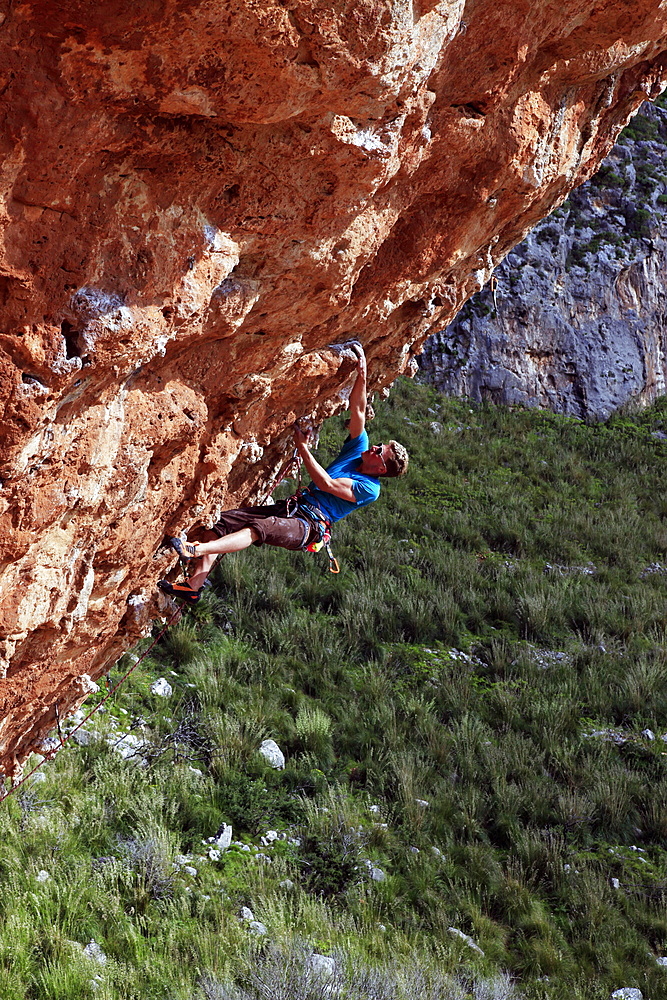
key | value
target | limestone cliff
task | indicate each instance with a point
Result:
(196, 199)
(577, 321)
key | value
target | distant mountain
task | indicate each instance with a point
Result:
(577, 322)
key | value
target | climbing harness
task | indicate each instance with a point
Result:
(298, 507)
(50, 754)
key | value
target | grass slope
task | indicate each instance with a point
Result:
(462, 711)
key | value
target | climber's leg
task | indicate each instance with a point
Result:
(234, 542)
(200, 570)
(237, 530)
(201, 565)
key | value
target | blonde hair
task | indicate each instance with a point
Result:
(397, 463)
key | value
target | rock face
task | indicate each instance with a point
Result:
(577, 321)
(196, 199)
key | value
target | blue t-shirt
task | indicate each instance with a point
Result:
(365, 488)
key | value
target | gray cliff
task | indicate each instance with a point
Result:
(577, 321)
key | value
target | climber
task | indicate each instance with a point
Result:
(352, 480)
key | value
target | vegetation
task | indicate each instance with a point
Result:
(463, 711)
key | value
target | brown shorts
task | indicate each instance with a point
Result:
(271, 523)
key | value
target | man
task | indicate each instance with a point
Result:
(351, 481)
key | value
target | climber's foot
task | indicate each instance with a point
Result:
(186, 550)
(181, 591)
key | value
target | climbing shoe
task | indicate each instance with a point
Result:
(181, 591)
(186, 550)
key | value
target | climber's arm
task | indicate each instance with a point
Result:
(358, 398)
(339, 487)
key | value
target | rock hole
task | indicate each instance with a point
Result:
(474, 109)
(231, 194)
(304, 54)
(71, 338)
(32, 380)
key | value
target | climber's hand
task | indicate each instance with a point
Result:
(299, 437)
(361, 359)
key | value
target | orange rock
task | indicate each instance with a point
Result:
(195, 200)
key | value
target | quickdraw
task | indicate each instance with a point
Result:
(324, 543)
(333, 562)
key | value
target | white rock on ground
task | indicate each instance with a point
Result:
(455, 932)
(245, 913)
(627, 993)
(83, 737)
(648, 734)
(376, 873)
(42, 876)
(223, 837)
(128, 746)
(662, 962)
(323, 966)
(272, 754)
(258, 928)
(94, 952)
(162, 687)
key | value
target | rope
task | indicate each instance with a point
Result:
(295, 459)
(50, 754)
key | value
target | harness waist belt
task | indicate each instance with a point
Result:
(310, 509)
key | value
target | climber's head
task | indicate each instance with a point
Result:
(389, 459)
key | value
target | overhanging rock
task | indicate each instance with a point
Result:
(196, 199)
